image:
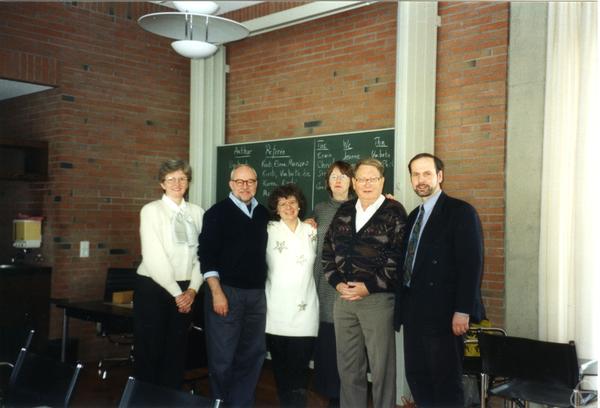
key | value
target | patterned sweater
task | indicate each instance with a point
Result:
(370, 255)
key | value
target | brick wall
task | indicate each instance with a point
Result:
(337, 74)
(329, 75)
(119, 108)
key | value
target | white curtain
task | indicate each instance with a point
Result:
(570, 228)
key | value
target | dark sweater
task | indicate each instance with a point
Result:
(370, 255)
(235, 245)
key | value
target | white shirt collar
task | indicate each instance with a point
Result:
(173, 205)
(363, 216)
(242, 205)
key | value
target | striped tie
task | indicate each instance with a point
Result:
(411, 249)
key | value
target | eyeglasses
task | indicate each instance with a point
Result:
(176, 180)
(338, 177)
(365, 180)
(240, 182)
(290, 204)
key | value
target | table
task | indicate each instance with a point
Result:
(93, 311)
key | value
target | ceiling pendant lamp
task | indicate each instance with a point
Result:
(197, 32)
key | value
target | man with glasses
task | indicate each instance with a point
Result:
(232, 252)
(360, 256)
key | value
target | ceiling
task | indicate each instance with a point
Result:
(12, 89)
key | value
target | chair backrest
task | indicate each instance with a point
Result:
(41, 381)
(526, 359)
(12, 339)
(142, 394)
(118, 280)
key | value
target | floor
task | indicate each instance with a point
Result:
(94, 392)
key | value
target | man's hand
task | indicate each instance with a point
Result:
(460, 323)
(220, 303)
(352, 291)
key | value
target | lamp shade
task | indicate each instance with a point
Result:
(197, 7)
(194, 49)
(218, 30)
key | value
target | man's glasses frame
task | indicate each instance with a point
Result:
(241, 183)
(365, 180)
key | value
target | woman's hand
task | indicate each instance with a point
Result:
(312, 222)
(185, 300)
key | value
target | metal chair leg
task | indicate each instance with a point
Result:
(483, 390)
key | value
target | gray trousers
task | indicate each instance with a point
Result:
(366, 323)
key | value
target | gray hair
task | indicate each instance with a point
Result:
(172, 165)
(237, 166)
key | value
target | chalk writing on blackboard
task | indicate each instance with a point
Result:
(304, 161)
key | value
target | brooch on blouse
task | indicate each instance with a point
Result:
(280, 246)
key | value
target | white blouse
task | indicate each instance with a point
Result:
(292, 303)
(165, 257)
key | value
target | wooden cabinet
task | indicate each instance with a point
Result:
(23, 160)
(24, 305)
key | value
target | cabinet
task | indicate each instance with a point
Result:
(24, 305)
(23, 160)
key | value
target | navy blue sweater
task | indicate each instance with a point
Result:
(235, 245)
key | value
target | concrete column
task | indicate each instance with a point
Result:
(207, 124)
(525, 131)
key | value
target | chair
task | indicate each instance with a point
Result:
(26, 345)
(472, 359)
(534, 371)
(142, 394)
(40, 381)
(7, 366)
(117, 280)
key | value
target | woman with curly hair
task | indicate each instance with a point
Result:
(292, 304)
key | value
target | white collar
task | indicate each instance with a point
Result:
(173, 205)
(371, 208)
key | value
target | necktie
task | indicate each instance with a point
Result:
(411, 249)
(249, 206)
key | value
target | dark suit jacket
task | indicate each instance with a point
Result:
(447, 270)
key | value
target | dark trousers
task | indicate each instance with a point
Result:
(433, 361)
(236, 345)
(326, 377)
(290, 357)
(160, 334)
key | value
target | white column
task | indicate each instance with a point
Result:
(415, 112)
(415, 90)
(207, 124)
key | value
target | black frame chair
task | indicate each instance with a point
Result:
(117, 280)
(40, 381)
(140, 394)
(533, 370)
(472, 363)
(6, 367)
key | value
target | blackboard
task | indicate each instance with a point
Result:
(304, 161)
